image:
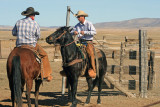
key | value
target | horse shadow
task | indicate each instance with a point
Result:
(55, 99)
(6, 100)
(58, 100)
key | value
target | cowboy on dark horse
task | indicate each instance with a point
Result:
(85, 32)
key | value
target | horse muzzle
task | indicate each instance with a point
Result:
(49, 40)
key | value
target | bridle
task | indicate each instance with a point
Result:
(68, 43)
(61, 35)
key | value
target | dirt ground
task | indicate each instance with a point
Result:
(50, 92)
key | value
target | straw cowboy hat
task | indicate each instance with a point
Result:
(81, 13)
(29, 11)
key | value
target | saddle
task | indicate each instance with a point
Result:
(97, 54)
(37, 56)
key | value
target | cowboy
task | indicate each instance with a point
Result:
(27, 32)
(85, 32)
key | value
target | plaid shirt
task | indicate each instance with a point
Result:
(87, 27)
(27, 32)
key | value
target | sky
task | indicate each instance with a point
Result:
(53, 12)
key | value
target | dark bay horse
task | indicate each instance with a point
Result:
(70, 52)
(22, 68)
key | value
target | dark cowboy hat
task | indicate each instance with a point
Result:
(29, 11)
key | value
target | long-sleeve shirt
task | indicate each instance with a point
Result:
(87, 27)
(27, 32)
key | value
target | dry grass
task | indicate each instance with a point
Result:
(109, 33)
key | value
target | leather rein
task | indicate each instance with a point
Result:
(68, 43)
(74, 61)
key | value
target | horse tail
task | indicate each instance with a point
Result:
(16, 69)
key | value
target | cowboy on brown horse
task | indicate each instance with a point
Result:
(27, 32)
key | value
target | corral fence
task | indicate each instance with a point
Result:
(132, 67)
(7, 45)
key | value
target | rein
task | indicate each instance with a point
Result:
(68, 43)
(61, 35)
(74, 61)
(72, 42)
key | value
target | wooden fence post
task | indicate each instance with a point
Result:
(121, 63)
(67, 24)
(143, 62)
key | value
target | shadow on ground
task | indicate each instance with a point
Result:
(56, 99)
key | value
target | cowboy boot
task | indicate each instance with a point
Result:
(92, 71)
(49, 78)
(90, 51)
(46, 68)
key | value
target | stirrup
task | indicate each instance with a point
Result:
(91, 73)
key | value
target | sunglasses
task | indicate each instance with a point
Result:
(79, 16)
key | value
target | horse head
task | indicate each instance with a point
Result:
(58, 36)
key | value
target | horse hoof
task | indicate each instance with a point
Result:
(99, 104)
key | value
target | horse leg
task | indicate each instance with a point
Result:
(73, 84)
(29, 84)
(91, 85)
(101, 79)
(37, 85)
(90, 88)
(69, 90)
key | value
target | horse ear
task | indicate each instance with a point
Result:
(70, 29)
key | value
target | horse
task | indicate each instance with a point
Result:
(22, 68)
(71, 53)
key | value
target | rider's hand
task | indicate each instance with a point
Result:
(75, 32)
(82, 32)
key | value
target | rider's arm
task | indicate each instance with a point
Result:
(37, 34)
(91, 30)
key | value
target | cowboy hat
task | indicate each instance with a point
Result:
(29, 11)
(81, 13)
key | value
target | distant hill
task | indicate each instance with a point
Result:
(133, 23)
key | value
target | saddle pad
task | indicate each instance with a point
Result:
(38, 58)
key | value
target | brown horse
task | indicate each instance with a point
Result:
(22, 68)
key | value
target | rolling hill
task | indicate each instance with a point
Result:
(133, 23)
